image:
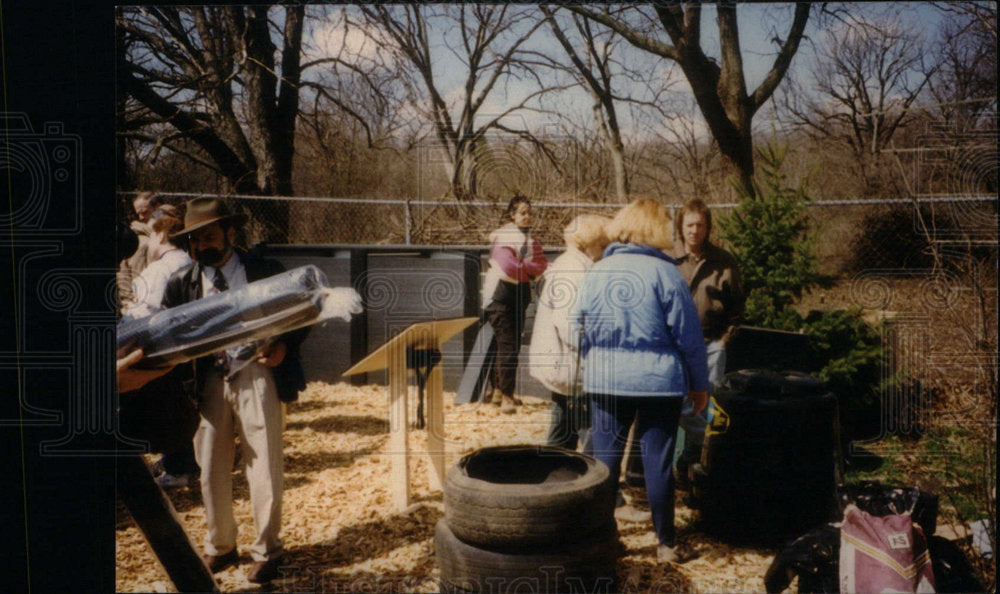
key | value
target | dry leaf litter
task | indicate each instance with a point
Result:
(342, 533)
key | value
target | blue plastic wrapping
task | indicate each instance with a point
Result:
(238, 320)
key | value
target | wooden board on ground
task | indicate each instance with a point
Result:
(475, 379)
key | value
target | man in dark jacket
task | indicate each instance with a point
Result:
(247, 402)
(714, 278)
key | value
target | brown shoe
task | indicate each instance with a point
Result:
(264, 571)
(217, 563)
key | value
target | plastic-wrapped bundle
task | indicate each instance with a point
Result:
(254, 313)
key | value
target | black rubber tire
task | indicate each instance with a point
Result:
(769, 473)
(762, 384)
(524, 496)
(587, 566)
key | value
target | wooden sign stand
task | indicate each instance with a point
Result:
(392, 356)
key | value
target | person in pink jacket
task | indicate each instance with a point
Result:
(516, 259)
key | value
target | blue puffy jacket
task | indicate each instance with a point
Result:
(641, 333)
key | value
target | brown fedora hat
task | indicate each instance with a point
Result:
(205, 211)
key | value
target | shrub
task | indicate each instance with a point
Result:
(769, 236)
(891, 240)
(846, 353)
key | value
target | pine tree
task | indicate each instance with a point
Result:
(768, 235)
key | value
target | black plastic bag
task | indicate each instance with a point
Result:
(815, 556)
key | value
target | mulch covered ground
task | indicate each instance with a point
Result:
(342, 533)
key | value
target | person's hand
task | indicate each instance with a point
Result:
(132, 379)
(699, 399)
(272, 355)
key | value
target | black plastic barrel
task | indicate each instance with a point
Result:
(768, 469)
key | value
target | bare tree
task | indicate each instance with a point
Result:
(869, 73)
(215, 75)
(966, 82)
(679, 158)
(719, 90)
(593, 70)
(352, 108)
(489, 43)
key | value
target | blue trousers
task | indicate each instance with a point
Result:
(656, 429)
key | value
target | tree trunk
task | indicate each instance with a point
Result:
(273, 106)
(615, 147)
(728, 121)
(227, 45)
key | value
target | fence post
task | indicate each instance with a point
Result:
(471, 306)
(409, 222)
(359, 323)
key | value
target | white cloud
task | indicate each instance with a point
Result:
(332, 38)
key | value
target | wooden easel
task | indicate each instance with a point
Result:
(393, 356)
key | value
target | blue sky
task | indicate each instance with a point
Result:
(759, 24)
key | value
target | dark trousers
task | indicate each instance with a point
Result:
(508, 326)
(570, 423)
(656, 429)
(180, 461)
(162, 415)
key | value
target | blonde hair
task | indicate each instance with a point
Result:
(643, 221)
(586, 230)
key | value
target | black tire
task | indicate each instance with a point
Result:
(588, 566)
(524, 496)
(769, 472)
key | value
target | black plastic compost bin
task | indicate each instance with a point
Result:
(768, 468)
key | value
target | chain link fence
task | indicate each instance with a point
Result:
(848, 235)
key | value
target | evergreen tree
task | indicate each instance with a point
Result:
(768, 235)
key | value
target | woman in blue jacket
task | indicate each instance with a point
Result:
(643, 353)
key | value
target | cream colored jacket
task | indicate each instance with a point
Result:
(553, 354)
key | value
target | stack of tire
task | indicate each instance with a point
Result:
(527, 518)
(769, 462)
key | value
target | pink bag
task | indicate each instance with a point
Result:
(883, 554)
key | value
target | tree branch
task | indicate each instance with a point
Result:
(629, 34)
(783, 59)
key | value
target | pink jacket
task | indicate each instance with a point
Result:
(505, 261)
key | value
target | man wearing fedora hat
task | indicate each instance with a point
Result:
(247, 402)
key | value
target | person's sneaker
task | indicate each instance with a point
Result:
(508, 407)
(680, 553)
(492, 397)
(175, 481)
(666, 554)
(631, 514)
